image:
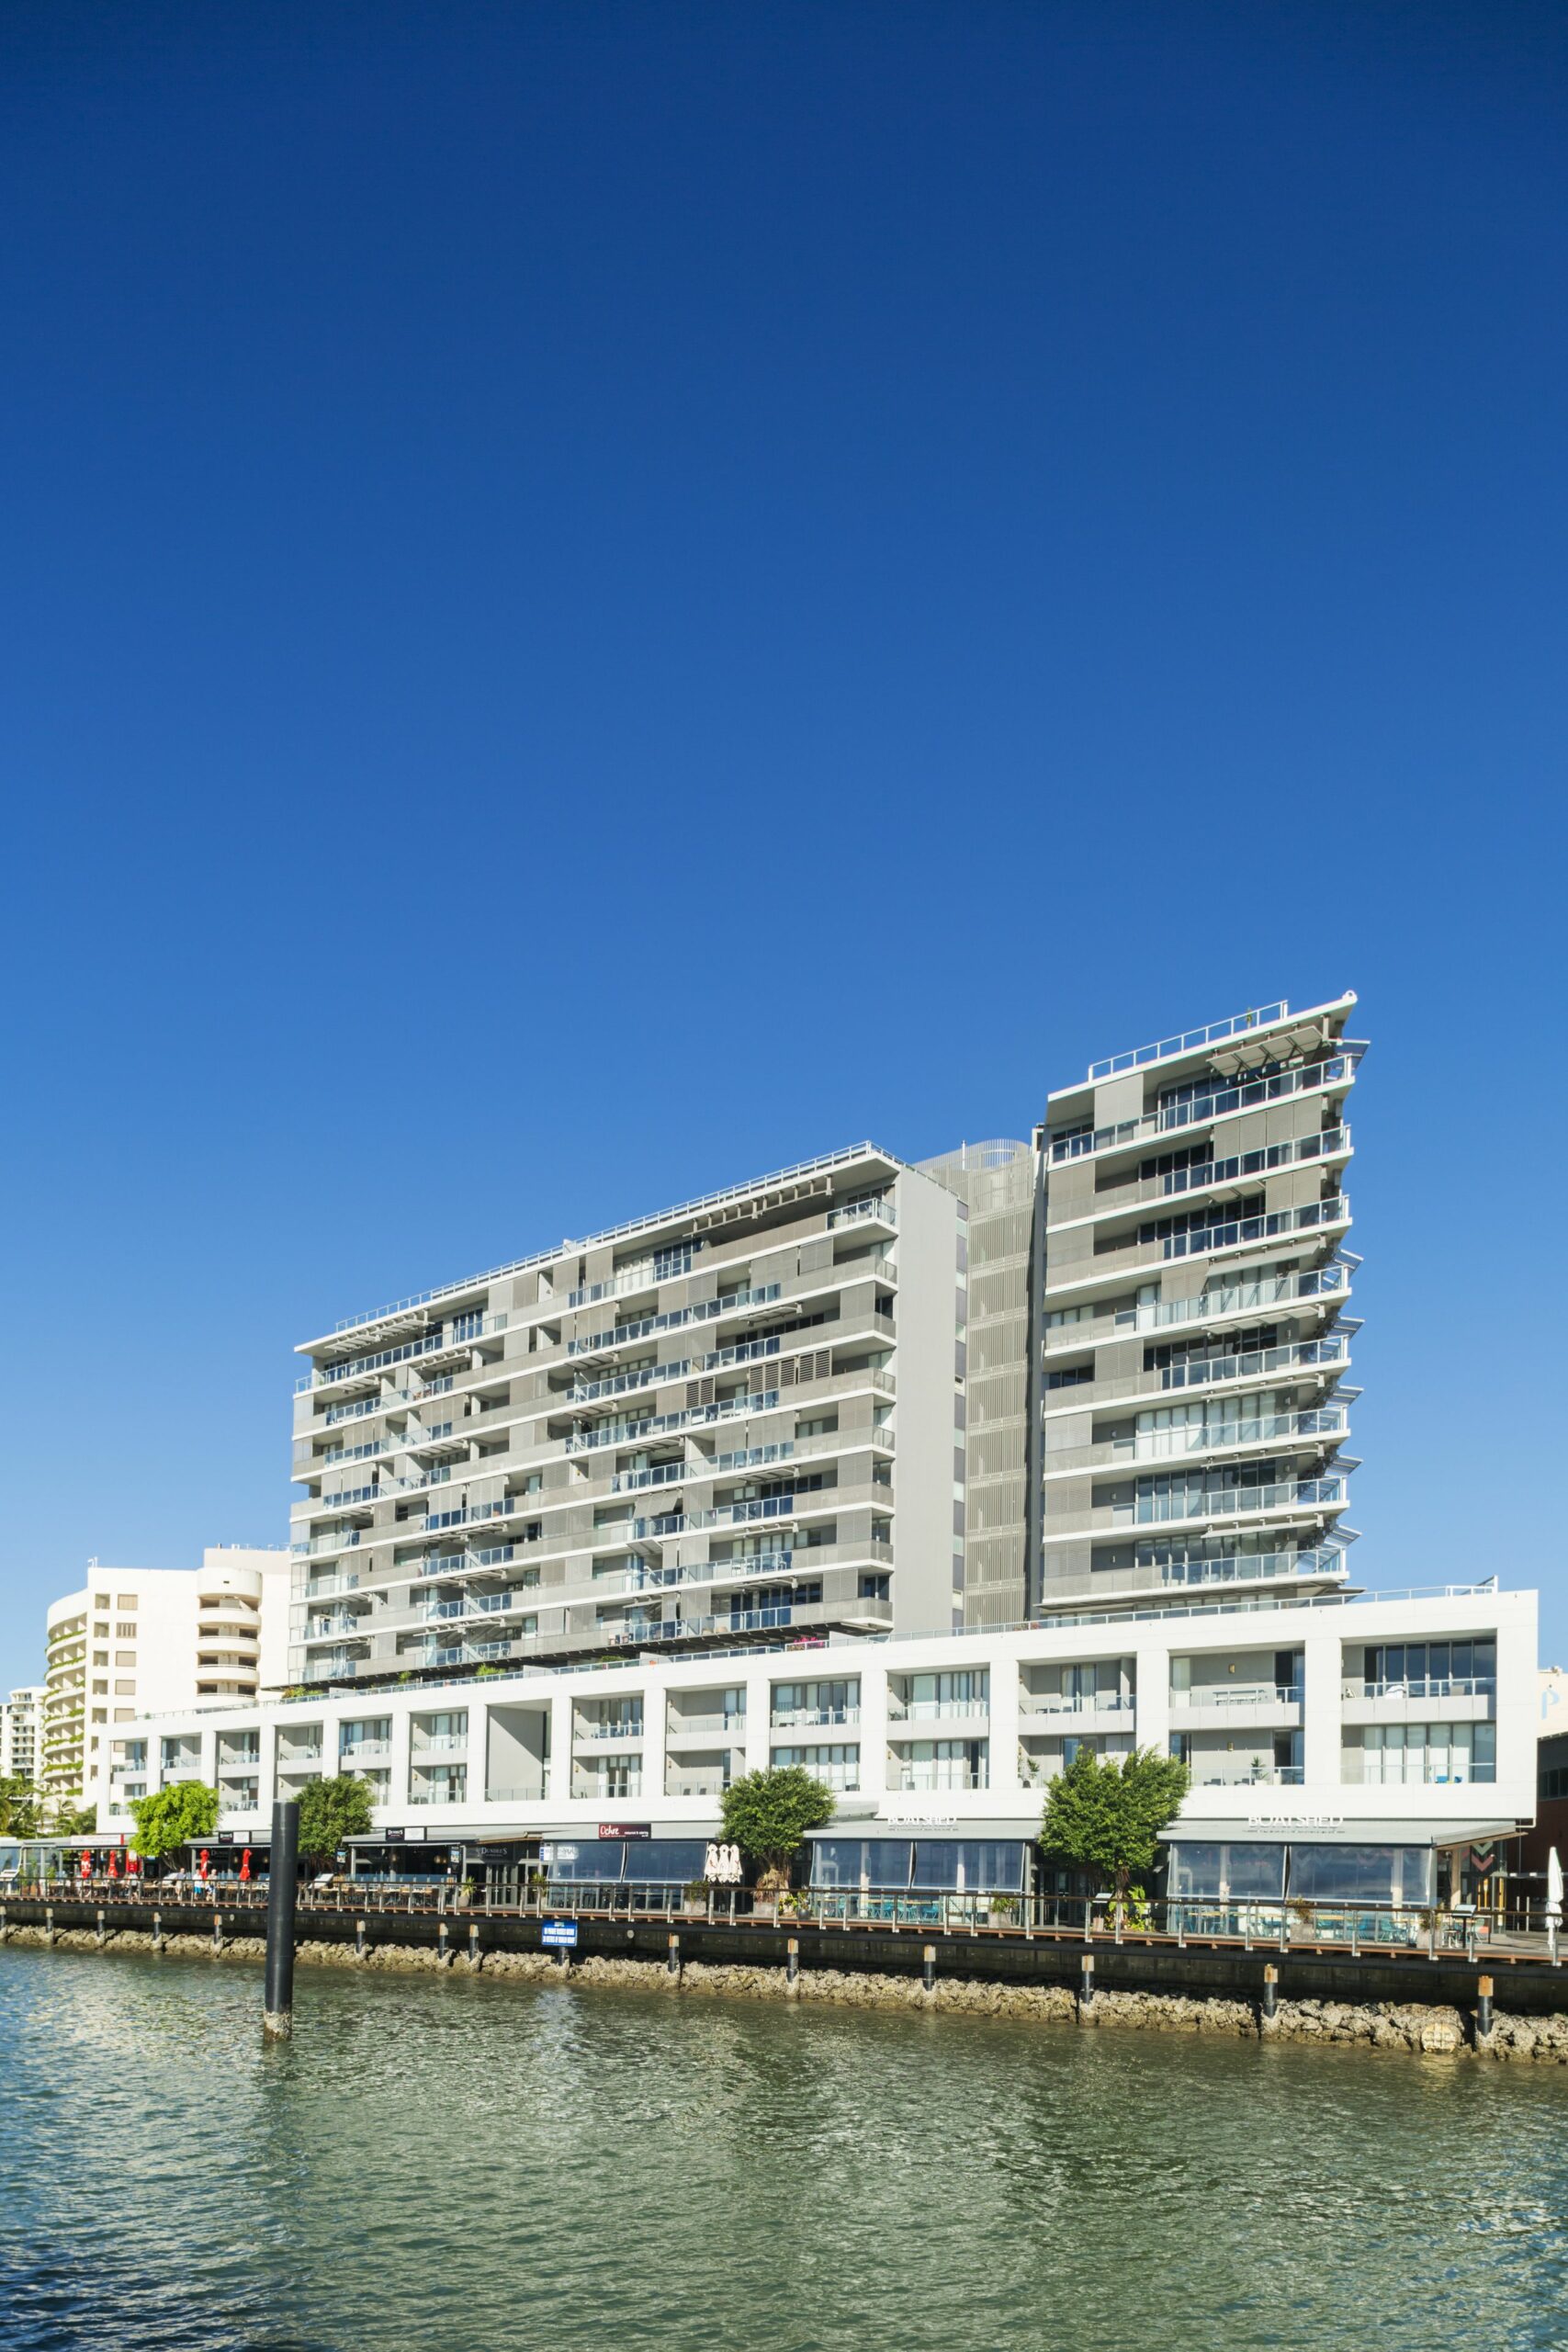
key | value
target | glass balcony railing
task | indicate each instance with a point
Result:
(728, 1302)
(875, 1209)
(1224, 1099)
(665, 1424)
(1225, 1502)
(1238, 1694)
(1251, 1567)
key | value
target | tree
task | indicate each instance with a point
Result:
(172, 1817)
(19, 1810)
(76, 1821)
(1106, 1814)
(330, 1811)
(767, 1815)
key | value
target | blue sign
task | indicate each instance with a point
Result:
(560, 1934)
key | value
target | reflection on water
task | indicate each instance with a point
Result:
(491, 2168)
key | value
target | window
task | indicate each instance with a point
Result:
(100, 1601)
(1393, 1755)
(100, 1658)
(1072, 1376)
(125, 1657)
(123, 1690)
(125, 1633)
(876, 1586)
(123, 1600)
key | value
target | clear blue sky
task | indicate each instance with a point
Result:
(601, 599)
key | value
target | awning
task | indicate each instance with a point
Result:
(1335, 1829)
(1024, 1832)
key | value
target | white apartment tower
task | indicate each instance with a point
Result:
(19, 1733)
(703, 1428)
(1194, 1341)
(134, 1639)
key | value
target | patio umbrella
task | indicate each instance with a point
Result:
(245, 1867)
(1553, 1886)
(85, 1867)
(109, 1868)
(203, 1862)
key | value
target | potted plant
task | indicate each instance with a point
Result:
(695, 1898)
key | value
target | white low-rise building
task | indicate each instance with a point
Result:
(1390, 1722)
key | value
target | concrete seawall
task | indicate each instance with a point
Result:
(1431, 2027)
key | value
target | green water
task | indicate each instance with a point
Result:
(487, 2167)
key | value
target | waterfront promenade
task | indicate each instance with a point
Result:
(1183, 1950)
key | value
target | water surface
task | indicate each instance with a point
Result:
(492, 2168)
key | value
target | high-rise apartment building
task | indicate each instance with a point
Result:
(139, 1638)
(1193, 1341)
(1080, 1372)
(704, 1426)
(19, 1733)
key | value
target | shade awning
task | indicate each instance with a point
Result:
(1337, 1831)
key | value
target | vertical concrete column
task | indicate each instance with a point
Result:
(874, 1768)
(759, 1712)
(558, 1778)
(398, 1762)
(1518, 1715)
(655, 1724)
(1004, 1721)
(1151, 1717)
(1321, 1669)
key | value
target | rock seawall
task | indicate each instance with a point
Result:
(1413, 2027)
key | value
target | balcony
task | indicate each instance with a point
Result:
(813, 1718)
(1337, 1070)
(365, 1751)
(1198, 1507)
(1254, 1706)
(650, 1325)
(935, 1711)
(1254, 1567)
(1082, 1710)
(679, 1727)
(629, 1734)
(529, 1791)
(1429, 1699)
(928, 1779)
(871, 1211)
(1318, 1423)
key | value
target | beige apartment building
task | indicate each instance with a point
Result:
(738, 1416)
(861, 1395)
(1194, 1339)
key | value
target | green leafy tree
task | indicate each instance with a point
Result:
(767, 1813)
(330, 1811)
(1105, 1813)
(173, 1817)
(76, 1821)
(19, 1809)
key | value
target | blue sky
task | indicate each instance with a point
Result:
(599, 599)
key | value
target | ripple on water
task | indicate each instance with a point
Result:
(495, 2168)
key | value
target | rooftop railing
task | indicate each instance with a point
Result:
(1189, 1040)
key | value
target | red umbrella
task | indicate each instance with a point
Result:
(245, 1867)
(132, 1865)
(86, 1870)
(110, 1867)
(204, 1863)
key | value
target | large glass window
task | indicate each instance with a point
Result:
(1393, 1755)
(1223, 1871)
(957, 1865)
(860, 1861)
(1401, 1874)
